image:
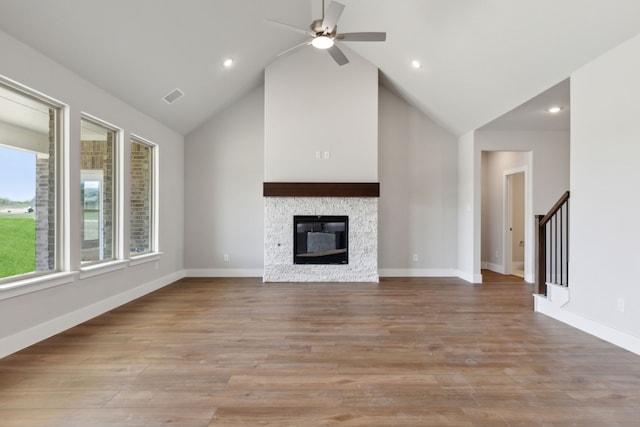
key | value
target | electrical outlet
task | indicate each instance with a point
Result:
(415, 257)
(318, 155)
(327, 154)
(226, 257)
(621, 305)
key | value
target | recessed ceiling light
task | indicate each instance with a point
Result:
(416, 64)
(227, 63)
(555, 109)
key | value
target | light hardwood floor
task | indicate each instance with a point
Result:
(423, 352)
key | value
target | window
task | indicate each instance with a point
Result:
(97, 191)
(29, 135)
(142, 199)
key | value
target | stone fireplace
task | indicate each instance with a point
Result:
(282, 206)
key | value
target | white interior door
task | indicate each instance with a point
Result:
(514, 242)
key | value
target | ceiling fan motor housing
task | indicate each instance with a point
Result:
(318, 30)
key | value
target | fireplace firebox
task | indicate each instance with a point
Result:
(320, 239)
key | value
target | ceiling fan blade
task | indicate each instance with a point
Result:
(362, 37)
(289, 27)
(337, 55)
(291, 49)
(334, 11)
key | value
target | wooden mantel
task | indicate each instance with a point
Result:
(321, 189)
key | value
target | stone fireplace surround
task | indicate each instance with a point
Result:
(285, 200)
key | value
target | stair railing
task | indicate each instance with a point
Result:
(552, 246)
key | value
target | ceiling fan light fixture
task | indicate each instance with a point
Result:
(322, 42)
(323, 33)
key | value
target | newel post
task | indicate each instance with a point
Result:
(541, 256)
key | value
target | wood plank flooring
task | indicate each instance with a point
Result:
(405, 352)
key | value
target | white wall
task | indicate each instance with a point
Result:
(549, 159)
(224, 211)
(418, 194)
(549, 175)
(313, 105)
(605, 202)
(27, 318)
(469, 198)
(418, 176)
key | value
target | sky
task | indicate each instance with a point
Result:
(17, 174)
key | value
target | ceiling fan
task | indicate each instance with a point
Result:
(324, 33)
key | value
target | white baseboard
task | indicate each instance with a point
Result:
(224, 272)
(497, 268)
(469, 277)
(613, 336)
(383, 272)
(417, 272)
(23, 339)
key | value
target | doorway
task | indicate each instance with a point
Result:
(514, 229)
(506, 180)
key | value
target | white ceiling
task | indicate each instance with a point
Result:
(534, 114)
(481, 58)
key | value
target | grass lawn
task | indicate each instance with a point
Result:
(17, 244)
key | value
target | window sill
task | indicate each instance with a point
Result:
(143, 259)
(102, 268)
(35, 284)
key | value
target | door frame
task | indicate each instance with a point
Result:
(506, 221)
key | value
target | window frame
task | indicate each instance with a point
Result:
(117, 260)
(154, 248)
(67, 257)
(61, 274)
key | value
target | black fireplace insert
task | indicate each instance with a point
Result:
(320, 239)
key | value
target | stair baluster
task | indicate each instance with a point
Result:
(552, 246)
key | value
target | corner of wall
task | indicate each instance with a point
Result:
(469, 277)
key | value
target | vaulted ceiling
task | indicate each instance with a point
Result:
(480, 58)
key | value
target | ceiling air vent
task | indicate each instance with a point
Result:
(173, 96)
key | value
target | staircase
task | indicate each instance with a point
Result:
(552, 252)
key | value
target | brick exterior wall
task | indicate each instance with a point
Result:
(45, 203)
(140, 198)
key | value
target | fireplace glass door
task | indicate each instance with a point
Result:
(320, 239)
